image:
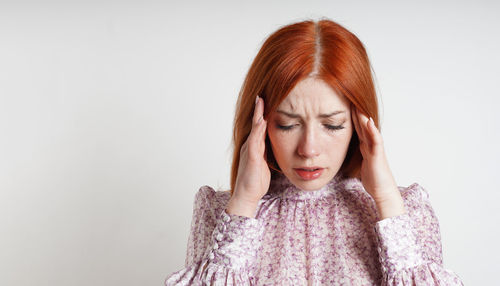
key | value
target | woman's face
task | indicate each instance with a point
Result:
(310, 129)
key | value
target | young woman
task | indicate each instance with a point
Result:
(312, 200)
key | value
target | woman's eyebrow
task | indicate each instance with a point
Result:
(293, 115)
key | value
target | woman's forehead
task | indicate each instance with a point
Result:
(316, 100)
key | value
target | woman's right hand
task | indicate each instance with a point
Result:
(254, 175)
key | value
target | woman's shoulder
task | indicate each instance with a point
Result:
(412, 192)
(355, 184)
(211, 198)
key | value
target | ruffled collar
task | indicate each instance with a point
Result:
(281, 186)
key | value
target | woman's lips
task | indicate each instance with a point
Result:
(309, 173)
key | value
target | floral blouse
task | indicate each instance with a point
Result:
(330, 236)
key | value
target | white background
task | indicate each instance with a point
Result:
(114, 113)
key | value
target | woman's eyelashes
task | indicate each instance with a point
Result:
(334, 127)
(328, 127)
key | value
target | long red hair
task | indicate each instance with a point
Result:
(322, 49)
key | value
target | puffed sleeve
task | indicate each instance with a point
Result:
(409, 245)
(222, 247)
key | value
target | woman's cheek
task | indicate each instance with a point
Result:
(284, 140)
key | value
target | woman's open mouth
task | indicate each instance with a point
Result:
(309, 173)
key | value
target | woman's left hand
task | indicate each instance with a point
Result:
(376, 175)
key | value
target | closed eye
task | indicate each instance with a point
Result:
(334, 127)
(285, 128)
(327, 126)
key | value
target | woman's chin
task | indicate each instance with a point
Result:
(309, 185)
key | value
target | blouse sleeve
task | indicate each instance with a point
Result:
(409, 245)
(222, 247)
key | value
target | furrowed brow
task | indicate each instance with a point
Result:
(293, 115)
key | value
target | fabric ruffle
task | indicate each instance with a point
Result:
(230, 256)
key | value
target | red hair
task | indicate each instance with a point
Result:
(322, 49)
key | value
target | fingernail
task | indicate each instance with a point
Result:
(372, 121)
(256, 99)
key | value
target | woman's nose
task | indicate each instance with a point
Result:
(308, 145)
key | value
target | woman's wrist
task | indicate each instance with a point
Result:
(241, 207)
(391, 206)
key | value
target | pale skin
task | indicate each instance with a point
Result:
(310, 143)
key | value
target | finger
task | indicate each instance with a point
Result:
(375, 135)
(263, 136)
(258, 110)
(262, 126)
(247, 146)
(255, 119)
(371, 133)
(258, 133)
(363, 120)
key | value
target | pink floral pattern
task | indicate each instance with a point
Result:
(331, 236)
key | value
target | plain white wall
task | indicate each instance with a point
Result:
(114, 113)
